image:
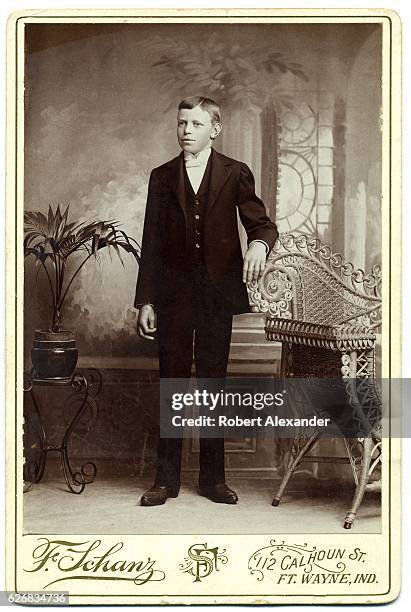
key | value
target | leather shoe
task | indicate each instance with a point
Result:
(219, 493)
(157, 495)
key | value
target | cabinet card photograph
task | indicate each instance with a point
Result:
(203, 271)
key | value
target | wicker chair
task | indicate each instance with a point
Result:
(325, 313)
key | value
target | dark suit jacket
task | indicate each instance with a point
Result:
(164, 267)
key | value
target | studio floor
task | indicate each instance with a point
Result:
(112, 506)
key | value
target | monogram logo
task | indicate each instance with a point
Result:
(203, 561)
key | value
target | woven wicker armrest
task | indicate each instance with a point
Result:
(336, 337)
(323, 298)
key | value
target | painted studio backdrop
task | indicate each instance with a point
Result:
(300, 105)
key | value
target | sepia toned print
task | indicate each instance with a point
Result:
(217, 186)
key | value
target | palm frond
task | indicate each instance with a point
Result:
(52, 239)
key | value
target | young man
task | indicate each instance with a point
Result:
(192, 275)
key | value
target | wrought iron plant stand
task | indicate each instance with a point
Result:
(85, 386)
(326, 314)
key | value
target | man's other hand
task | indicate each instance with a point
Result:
(146, 322)
(254, 262)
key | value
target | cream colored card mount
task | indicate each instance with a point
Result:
(302, 111)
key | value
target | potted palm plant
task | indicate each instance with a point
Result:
(53, 240)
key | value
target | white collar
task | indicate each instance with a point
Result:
(201, 157)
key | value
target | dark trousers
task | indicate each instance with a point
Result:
(197, 319)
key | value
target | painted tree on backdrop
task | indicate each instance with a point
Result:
(240, 79)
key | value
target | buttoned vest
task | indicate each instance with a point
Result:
(196, 206)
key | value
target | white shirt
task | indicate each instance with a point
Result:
(195, 166)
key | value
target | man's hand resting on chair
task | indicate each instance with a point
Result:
(254, 261)
(146, 322)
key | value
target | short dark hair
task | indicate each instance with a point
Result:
(207, 104)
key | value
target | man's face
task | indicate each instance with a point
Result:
(195, 130)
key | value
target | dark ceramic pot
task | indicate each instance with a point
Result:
(54, 354)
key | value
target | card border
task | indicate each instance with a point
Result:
(177, 16)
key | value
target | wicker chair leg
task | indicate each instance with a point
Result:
(362, 483)
(293, 463)
(286, 477)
